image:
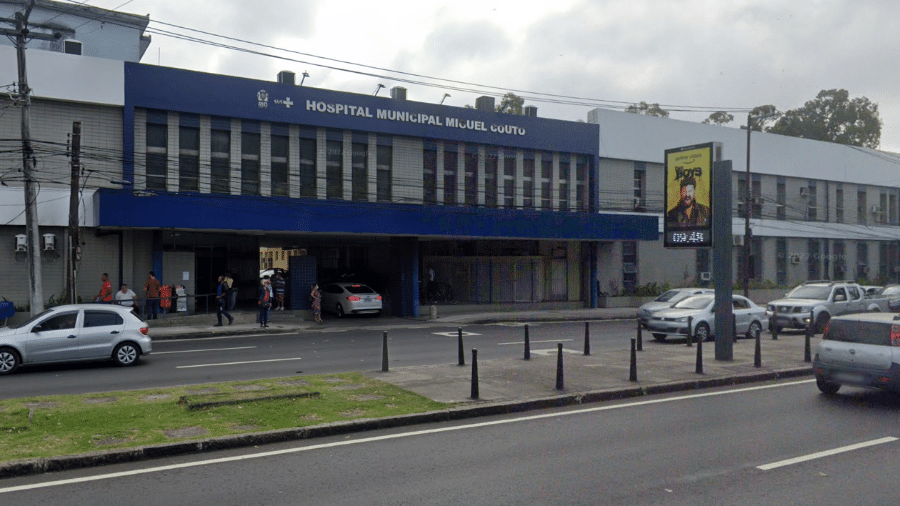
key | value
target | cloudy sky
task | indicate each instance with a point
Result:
(685, 55)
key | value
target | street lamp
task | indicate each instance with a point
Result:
(445, 98)
(305, 75)
(378, 89)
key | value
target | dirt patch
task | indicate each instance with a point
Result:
(244, 428)
(210, 390)
(99, 400)
(249, 388)
(111, 441)
(186, 432)
(156, 397)
(293, 383)
(311, 416)
(367, 397)
(348, 387)
(40, 405)
(334, 380)
(353, 413)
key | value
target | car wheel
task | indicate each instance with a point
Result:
(827, 387)
(659, 337)
(821, 322)
(339, 310)
(754, 330)
(126, 354)
(701, 332)
(9, 360)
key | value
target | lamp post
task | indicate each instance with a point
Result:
(445, 98)
(305, 75)
(746, 249)
(378, 89)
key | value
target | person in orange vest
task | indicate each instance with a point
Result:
(105, 295)
(151, 288)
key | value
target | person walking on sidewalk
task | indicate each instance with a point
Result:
(222, 302)
(265, 302)
(279, 284)
(231, 298)
(151, 289)
(315, 297)
(105, 295)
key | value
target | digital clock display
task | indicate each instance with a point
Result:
(689, 238)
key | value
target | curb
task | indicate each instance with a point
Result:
(28, 467)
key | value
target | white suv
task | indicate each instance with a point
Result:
(860, 350)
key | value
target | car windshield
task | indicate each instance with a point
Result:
(889, 290)
(810, 292)
(31, 320)
(671, 295)
(695, 302)
(359, 289)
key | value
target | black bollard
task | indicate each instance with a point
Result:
(812, 328)
(690, 336)
(774, 328)
(474, 373)
(640, 339)
(527, 344)
(587, 338)
(809, 333)
(757, 353)
(733, 329)
(699, 367)
(462, 355)
(384, 353)
(632, 372)
(560, 384)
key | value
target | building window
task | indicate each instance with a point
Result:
(564, 167)
(546, 178)
(250, 149)
(812, 207)
(780, 199)
(360, 181)
(509, 179)
(640, 187)
(629, 266)
(814, 254)
(703, 267)
(451, 160)
(861, 207)
(781, 262)
(334, 170)
(581, 169)
(188, 159)
(157, 156)
(839, 205)
(490, 178)
(220, 161)
(756, 196)
(384, 160)
(471, 161)
(881, 210)
(308, 168)
(528, 181)
(892, 209)
(429, 175)
(279, 180)
(839, 262)
(862, 260)
(884, 263)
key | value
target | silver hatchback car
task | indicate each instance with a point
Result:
(73, 333)
(860, 350)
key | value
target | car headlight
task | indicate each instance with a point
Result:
(805, 309)
(682, 319)
(770, 308)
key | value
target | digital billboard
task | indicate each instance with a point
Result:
(688, 197)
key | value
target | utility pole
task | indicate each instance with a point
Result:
(31, 215)
(746, 249)
(74, 239)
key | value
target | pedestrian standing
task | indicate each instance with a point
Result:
(105, 295)
(279, 284)
(264, 300)
(151, 291)
(126, 297)
(315, 297)
(232, 291)
(222, 302)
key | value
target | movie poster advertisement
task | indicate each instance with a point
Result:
(688, 196)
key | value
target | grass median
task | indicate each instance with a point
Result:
(74, 424)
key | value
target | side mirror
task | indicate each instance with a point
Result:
(36, 328)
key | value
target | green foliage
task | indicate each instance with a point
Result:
(833, 117)
(719, 118)
(651, 289)
(647, 110)
(511, 104)
(761, 116)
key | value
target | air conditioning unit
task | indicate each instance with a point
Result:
(705, 276)
(738, 240)
(804, 192)
(876, 209)
(21, 243)
(638, 205)
(49, 242)
(795, 259)
(72, 47)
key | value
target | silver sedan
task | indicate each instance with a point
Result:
(74, 333)
(749, 318)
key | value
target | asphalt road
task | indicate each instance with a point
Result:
(320, 351)
(770, 444)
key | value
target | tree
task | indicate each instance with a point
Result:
(648, 110)
(511, 104)
(833, 117)
(719, 118)
(761, 115)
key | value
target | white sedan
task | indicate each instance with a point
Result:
(749, 318)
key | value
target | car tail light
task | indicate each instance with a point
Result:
(378, 297)
(354, 298)
(145, 330)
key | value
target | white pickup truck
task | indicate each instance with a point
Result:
(823, 299)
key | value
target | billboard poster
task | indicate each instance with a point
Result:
(688, 197)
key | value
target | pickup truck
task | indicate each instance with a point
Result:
(823, 299)
(880, 299)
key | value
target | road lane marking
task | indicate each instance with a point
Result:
(158, 342)
(346, 442)
(533, 342)
(237, 363)
(826, 453)
(208, 349)
(454, 334)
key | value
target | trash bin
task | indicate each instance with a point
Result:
(181, 303)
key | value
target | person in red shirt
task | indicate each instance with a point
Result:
(105, 294)
(151, 287)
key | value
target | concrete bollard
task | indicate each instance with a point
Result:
(809, 333)
(640, 339)
(384, 353)
(587, 338)
(432, 312)
(560, 384)
(527, 344)
(474, 373)
(632, 371)
(462, 355)
(774, 328)
(757, 353)
(690, 334)
(698, 368)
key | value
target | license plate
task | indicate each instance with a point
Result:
(847, 377)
